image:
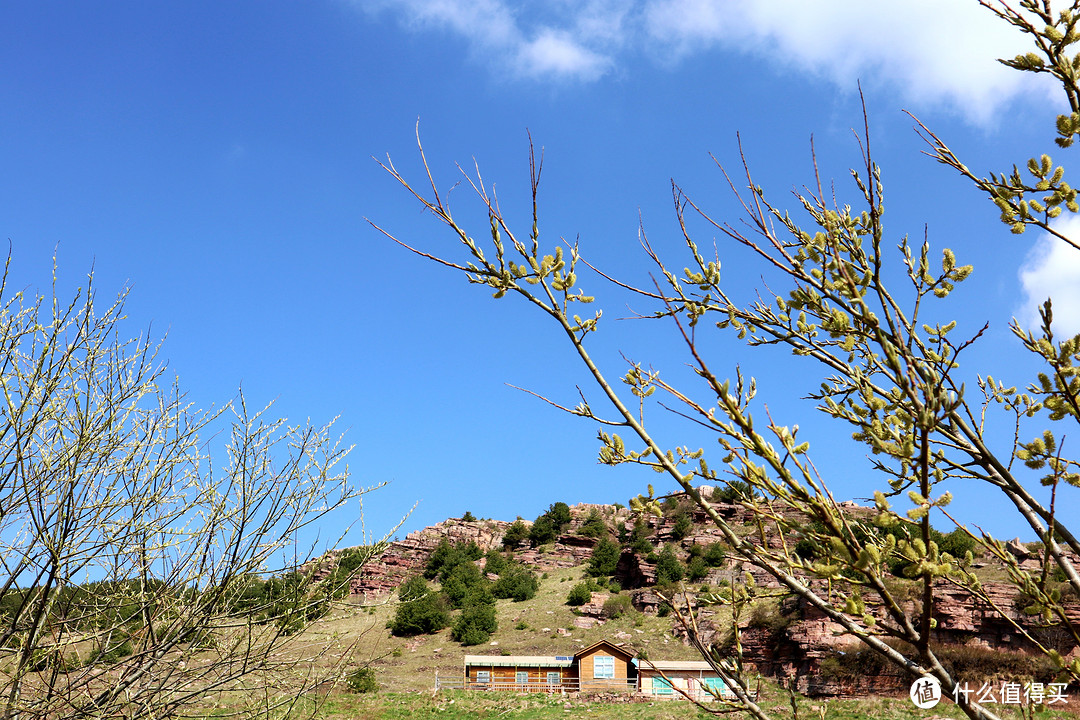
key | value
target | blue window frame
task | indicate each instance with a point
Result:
(661, 686)
(716, 685)
(603, 667)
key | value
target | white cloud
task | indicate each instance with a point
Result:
(493, 30)
(932, 51)
(555, 53)
(1052, 269)
(485, 22)
(935, 51)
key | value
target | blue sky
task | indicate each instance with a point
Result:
(217, 158)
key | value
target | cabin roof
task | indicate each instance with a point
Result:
(675, 665)
(626, 654)
(519, 660)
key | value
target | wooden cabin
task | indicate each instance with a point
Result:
(677, 679)
(602, 666)
(520, 673)
(605, 666)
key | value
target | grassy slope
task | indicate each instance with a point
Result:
(406, 677)
(406, 667)
(410, 663)
(462, 705)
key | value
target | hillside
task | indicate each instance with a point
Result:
(782, 638)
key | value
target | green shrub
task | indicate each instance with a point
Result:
(422, 616)
(604, 558)
(413, 589)
(362, 680)
(447, 556)
(463, 579)
(542, 531)
(522, 625)
(560, 515)
(735, 491)
(516, 534)
(715, 554)
(616, 606)
(684, 525)
(957, 543)
(475, 625)
(668, 568)
(516, 582)
(546, 527)
(495, 561)
(351, 559)
(438, 558)
(468, 517)
(594, 525)
(639, 537)
(767, 614)
(697, 569)
(579, 595)
(115, 650)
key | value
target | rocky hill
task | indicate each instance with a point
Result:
(782, 639)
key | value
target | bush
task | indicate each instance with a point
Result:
(594, 525)
(604, 558)
(560, 515)
(447, 556)
(413, 589)
(516, 582)
(976, 664)
(423, 616)
(515, 534)
(766, 614)
(475, 624)
(668, 568)
(115, 651)
(957, 543)
(362, 680)
(735, 491)
(438, 559)
(495, 561)
(616, 606)
(468, 517)
(715, 554)
(463, 579)
(579, 595)
(697, 569)
(542, 531)
(684, 525)
(639, 537)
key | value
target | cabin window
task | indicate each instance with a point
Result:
(603, 666)
(521, 677)
(716, 685)
(554, 678)
(483, 676)
(661, 686)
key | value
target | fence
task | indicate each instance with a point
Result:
(565, 686)
(695, 690)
